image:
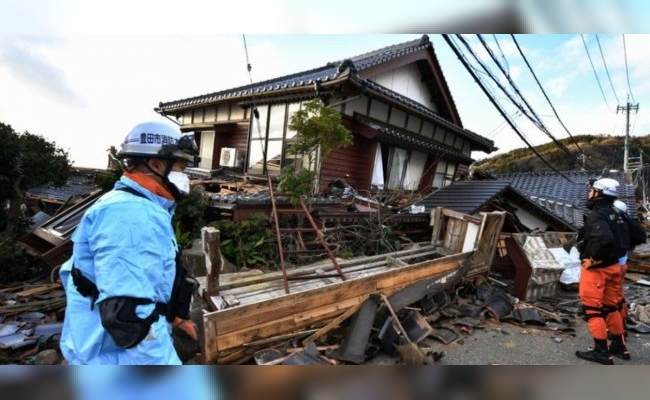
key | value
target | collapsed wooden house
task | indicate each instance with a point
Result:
(253, 311)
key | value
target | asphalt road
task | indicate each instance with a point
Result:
(508, 344)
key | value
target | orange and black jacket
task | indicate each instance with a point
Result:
(606, 235)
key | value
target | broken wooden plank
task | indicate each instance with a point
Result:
(248, 316)
(332, 324)
(230, 299)
(228, 330)
(38, 289)
(270, 281)
(279, 325)
(238, 325)
(319, 348)
(217, 302)
(395, 262)
(325, 265)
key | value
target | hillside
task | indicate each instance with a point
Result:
(602, 152)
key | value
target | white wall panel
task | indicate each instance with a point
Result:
(406, 81)
(207, 145)
(414, 170)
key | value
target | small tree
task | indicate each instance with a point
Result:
(319, 129)
(26, 160)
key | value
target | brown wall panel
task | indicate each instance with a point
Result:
(355, 161)
(230, 135)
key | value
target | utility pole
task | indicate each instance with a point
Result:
(582, 157)
(629, 107)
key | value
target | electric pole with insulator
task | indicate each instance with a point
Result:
(629, 107)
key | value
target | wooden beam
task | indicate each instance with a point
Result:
(332, 324)
(213, 264)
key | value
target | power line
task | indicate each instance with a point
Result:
(536, 120)
(546, 96)
(627, 72)
(503, 56)
(501, 125)
(485, 71)
(498, 107)
(607, 69)
(594, 69)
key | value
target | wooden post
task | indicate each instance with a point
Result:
(436, 223)
(212, 250)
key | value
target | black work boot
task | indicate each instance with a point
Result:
(599, 354)
(618, 348)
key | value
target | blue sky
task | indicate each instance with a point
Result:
(83, 76)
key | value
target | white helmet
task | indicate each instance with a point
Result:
(161, 140)
(620, 206)
(607, 186)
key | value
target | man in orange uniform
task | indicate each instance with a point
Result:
(606, 238)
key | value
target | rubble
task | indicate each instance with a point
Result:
(407, 314)
(31, 319)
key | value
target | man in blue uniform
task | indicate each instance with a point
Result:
(124, 287)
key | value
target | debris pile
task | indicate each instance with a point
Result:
(381, 327)
(639, 259)
(380, 330)
(31, 319)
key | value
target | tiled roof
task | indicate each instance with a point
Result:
(470, 197)
(467, 196)
(60, 194)
(332, 71)
(306, 78)
(78, 185)
(564, 198)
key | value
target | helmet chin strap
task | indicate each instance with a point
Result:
(177, 194)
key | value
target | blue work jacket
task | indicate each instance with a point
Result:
(126, 245)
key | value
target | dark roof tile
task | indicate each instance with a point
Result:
(323, 74)
(467, 197)
(564, 198)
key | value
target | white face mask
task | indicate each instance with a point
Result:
(180, 180)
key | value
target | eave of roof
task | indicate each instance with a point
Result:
(487, 145)
(409, 140)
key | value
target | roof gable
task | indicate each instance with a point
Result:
(421, 53)
(358, 68)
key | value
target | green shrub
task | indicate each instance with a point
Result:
(189, 217)
(249, 243)
(294, 185)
